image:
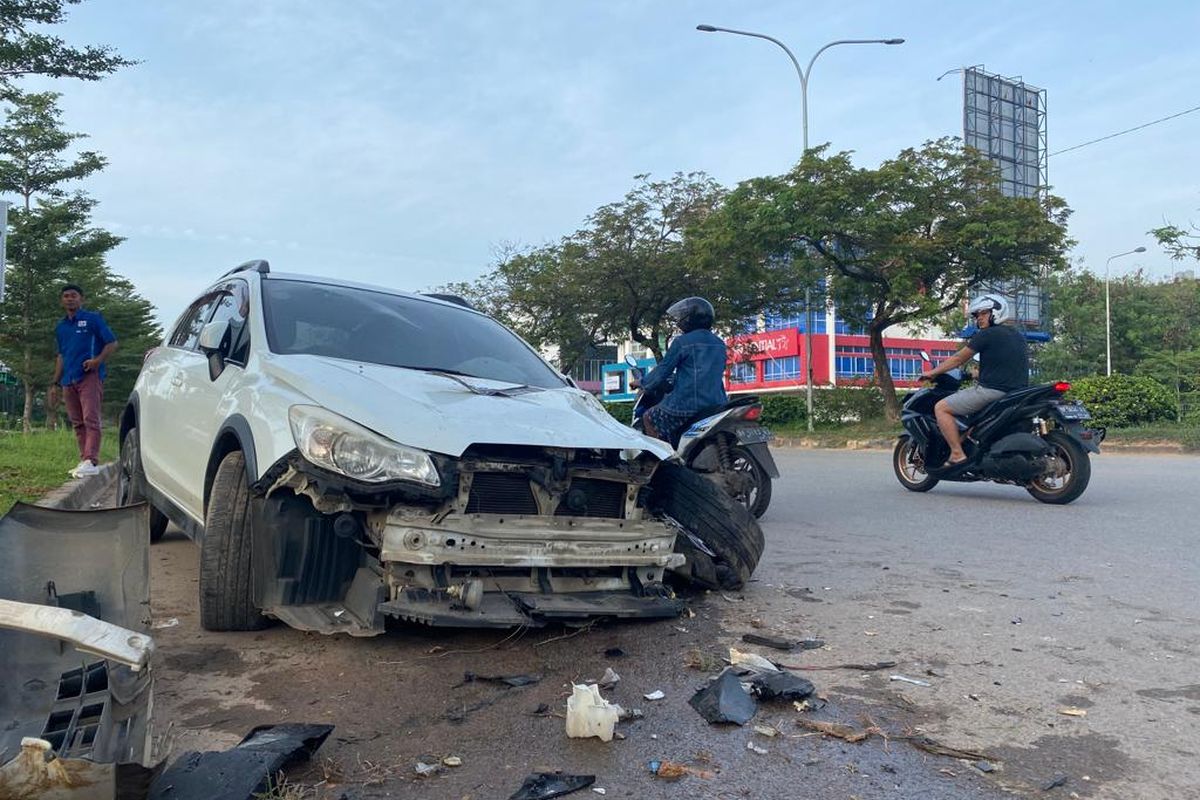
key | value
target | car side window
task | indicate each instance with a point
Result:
(234, 305)
(187, 331)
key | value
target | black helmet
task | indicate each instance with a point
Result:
(692, 313)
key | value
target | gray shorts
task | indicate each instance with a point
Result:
(967, 401)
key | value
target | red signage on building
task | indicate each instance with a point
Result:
(761, 346)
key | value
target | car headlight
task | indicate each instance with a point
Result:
(335, 443)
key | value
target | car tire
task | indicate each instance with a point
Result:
(728, 540)
(226, 572)
(131, 482)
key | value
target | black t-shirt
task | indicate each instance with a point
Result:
(1003, 357)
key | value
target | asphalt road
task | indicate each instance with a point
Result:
(1011, 610)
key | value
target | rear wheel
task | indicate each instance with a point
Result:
(226, 575)
(131, 482)
(722, 541)
(910, 467)
(753, 484)
(1071, 470)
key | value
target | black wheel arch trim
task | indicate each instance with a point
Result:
(234, 434)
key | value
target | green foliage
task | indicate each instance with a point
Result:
(1179, 243)
(32, 52)
(901, 243)
(1124, 400)
(34, 463)
(831, 408)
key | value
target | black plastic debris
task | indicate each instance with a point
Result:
(780, 686)
(614, 652)
(724, 700)
(811, 644)
(544, 785)
(508, 680)
(243, 772)
(985, 766)
(776, 642)
(1058, 780)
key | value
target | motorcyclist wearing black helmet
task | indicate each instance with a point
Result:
(696, 359)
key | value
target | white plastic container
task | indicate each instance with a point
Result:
(589, 714)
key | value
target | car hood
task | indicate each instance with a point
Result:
(439, 414)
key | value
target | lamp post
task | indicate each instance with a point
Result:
(1108, 315)
(804, 75)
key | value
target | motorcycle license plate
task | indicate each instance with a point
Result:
(754, 435)
(1073, 412)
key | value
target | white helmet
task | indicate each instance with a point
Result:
(990, 302)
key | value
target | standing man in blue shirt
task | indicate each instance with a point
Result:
(84, 344)
(696, 362)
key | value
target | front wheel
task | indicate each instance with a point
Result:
(910, 466)
(722, 541)
(131, 482)
(1069, 472)
(226, 575)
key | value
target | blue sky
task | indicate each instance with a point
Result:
(401, 142)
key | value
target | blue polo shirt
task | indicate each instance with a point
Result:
(80, 339)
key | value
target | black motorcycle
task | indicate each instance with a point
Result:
(1030, 437)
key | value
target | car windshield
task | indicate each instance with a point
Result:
(378, 328)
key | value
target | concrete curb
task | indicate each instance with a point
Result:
(78, 494)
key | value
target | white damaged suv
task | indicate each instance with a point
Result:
(345, 453)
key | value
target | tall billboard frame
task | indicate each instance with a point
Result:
(1005, 119)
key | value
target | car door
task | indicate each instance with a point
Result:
(158, 414)
(204, 403)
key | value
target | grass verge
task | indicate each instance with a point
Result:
(31, 465)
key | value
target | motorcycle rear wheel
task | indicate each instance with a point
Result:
(757, 496)
(1072, 476)
(910, 466)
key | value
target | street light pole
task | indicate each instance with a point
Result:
(804, 75)
(1108, 315)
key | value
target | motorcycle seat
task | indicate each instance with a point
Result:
(1017, 395)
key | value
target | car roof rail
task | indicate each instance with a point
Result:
(450, 298)
(258, 265)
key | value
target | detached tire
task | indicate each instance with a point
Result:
(1061, 489)
(226, 574)
(730, 542)
(131, 483)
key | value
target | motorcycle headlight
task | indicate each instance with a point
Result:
(335, 443)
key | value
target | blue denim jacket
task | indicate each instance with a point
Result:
(697, 359)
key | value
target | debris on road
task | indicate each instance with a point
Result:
(906, 679)
(589, 714)
(836, 729)
(1058, 780)
(752, 660)
(765, 730)
(780, 686)
(1072, 711)
(599, 790)
(751, 746)
(657, 694)
(545, 785)
(774, 642)
(811, 644)
(724, 700)
(878, 665)
(425, 770)
(698, 660)
(166, 623)
(452, 761)
(609, 679)
(673, 771)
(514, 681)
(985, 766)
(938, 749)
(630, 715)
(614, 652)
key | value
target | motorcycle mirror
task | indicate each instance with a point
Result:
(630, 360)
(925, 356)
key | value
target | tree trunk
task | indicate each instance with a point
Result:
(883, 374)
(27, 416)
(51, 412)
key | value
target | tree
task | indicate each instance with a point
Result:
(1180, 243)
(52, 241)
(902, 243)
(28, 52)
(615, 277)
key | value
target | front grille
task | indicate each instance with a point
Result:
(589, 497)
(501, 493)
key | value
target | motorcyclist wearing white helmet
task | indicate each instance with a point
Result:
(1003, 367)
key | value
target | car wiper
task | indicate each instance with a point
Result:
(458, 376)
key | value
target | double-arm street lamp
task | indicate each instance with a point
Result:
(804, 75)
(1107, 315)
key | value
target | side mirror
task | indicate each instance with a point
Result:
(630, 360)
(925, 356)
(214, 343)
(212, 336)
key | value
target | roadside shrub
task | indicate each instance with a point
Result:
(1121, 401)
(622, 412)
(784, 410)
(846, 404)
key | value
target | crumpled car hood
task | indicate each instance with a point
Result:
(436, 413)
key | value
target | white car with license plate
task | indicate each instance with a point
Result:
(345, 453)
